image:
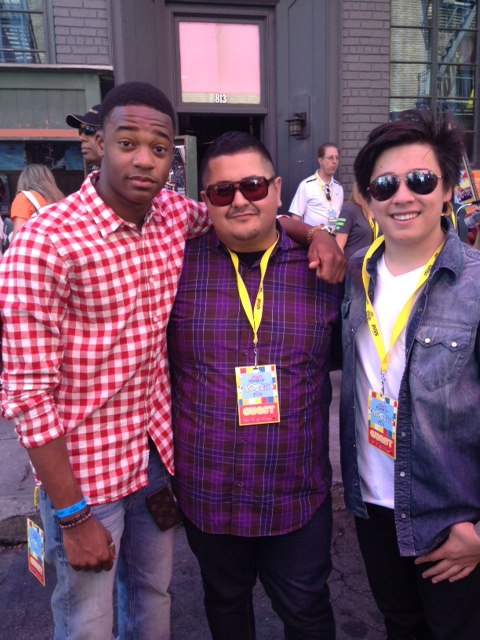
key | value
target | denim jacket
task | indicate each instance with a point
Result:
(437, 468)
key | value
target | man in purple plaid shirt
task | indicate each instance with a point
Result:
(250, 339)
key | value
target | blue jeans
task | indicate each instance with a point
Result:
(293, 568)
(82, 602)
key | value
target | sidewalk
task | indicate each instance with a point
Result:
(16, 486)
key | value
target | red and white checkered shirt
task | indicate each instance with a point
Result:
(86, 298)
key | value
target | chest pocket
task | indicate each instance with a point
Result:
(439, 354)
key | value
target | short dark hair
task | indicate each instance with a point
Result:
(136, 93)
(323, 148)
(413, 126)
(231, 143)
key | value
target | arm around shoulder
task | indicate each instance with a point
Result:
(324, 254)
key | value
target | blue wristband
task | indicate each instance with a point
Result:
(72, 510)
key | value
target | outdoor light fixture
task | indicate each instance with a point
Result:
(296, 124)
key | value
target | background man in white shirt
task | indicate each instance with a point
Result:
(319, 197)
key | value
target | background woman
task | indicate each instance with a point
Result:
(355, 227)
(38, 180)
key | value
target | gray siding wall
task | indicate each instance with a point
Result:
(82, 32)
(365, 76)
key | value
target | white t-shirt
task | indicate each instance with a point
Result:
(391, 293)
(310, 201)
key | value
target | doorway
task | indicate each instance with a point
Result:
(207, 127)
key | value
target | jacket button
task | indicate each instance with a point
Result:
(427, 340)
(454, 344)
(402, 474)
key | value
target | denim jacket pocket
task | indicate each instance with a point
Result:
(439, 354)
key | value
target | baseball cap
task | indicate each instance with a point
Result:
(92, 118)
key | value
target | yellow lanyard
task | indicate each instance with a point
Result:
(324, 185)
(374, 227)
(401, 321)
(254, 314)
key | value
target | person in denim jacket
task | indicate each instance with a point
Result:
(410, 428)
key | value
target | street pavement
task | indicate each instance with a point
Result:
(24, 603)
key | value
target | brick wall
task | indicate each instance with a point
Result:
(81, 32)
(365, 76)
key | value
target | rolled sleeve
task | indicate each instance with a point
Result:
(33, 296)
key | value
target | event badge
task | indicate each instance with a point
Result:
(36, 551)
(257, 394)
(332, 219)
(382, 423)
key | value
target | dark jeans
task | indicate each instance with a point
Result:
(292, 567)
(413, 607)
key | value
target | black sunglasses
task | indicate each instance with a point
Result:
(252, 189)
(420, 181)
(88, 130)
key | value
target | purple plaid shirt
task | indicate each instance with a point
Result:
(263, 479)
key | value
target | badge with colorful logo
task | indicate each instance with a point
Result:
(257, 394)
(382, 423)
(36, 551)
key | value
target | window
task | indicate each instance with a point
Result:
(434, 59)
(220, 61)
(22, 31)
(213, 68)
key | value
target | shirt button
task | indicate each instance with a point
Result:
(402, 474)
(403, 434)
(454, 344)
(427, 340)
(403, 516)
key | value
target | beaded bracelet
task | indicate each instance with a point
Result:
(76, 517)
(70, 525)
(72, 509)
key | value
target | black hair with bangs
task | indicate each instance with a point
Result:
(414, 126)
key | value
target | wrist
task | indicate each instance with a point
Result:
(73, 509)
(320, 227)
(77, 519)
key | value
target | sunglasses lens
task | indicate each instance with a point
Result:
(254, 189)
(384, 187)
(421, 182)
(221, 194)
(87, 131)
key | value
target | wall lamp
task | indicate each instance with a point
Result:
(297, 124)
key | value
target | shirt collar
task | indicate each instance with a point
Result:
(329, 182)
(105, 218)
(284, 242)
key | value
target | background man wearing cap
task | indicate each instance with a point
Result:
(87, 126)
